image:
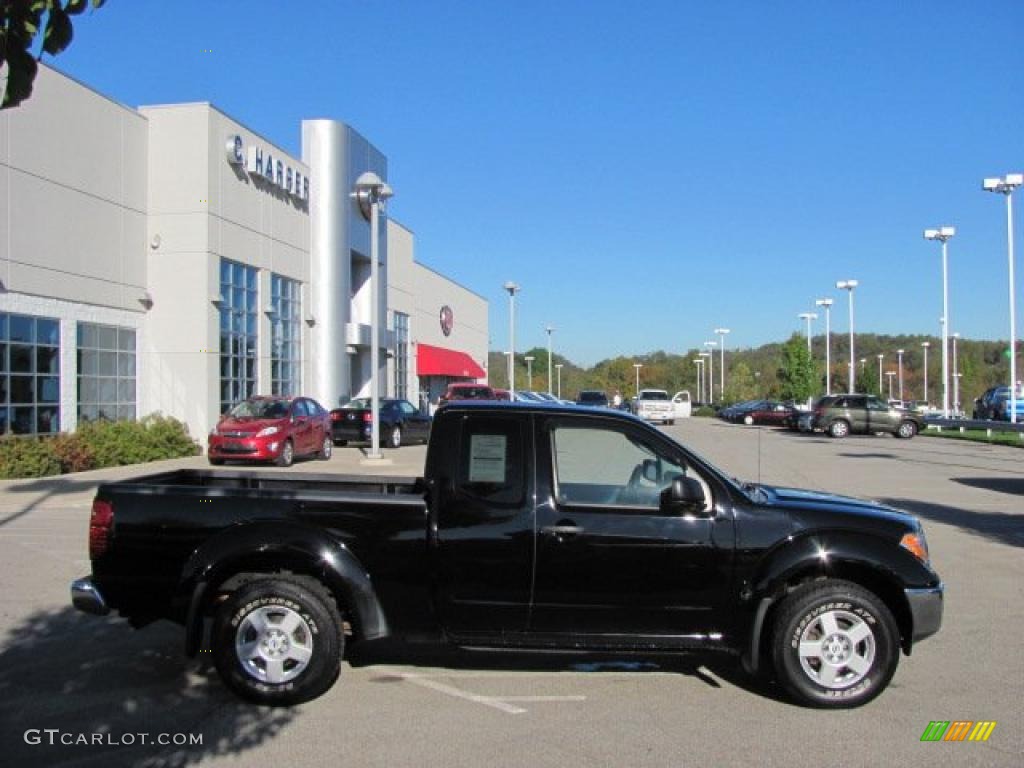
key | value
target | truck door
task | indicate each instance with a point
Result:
(484, 525)
(610, 561)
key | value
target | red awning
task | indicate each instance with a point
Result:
(438, 361)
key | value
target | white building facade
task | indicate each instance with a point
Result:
(172, 260)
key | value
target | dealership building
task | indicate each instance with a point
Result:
(169, 259)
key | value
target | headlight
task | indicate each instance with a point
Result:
(214, 432)
(916, 544)
(268, 431)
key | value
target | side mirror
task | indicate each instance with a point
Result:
(650, 470)
(686, 494)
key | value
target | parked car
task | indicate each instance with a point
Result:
(730, 412)
(841, 415)
(533, 527)
(400, 422)
(770, 412)
(655, 405)
(594, 398)
(276, 429)
(467, 391)
(994, 405)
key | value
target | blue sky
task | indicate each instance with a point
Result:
(646, 172)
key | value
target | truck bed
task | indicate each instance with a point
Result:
(271, 481)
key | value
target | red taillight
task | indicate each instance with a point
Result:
(367, 417)
(336, 417)
(101, 523)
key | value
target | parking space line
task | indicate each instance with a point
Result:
(451, 690)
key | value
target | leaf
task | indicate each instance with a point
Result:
(58, 32)
(98, 3)
(21, 71)
(75, 7)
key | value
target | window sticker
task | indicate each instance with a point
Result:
(487, 458)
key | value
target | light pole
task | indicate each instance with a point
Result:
(703, 370)
(721, 367)
(827, 304)
(558, 370)
(889, 374)
(370, 190)
(924, 346)
(512, 289)
(863, 362)
(637, 367)
(849, 285)
(880, 356)
(529, 372)
(699, 362)
(808, 316)
(942, 234)
(956, 377)
(1005, 186)
(899, 354)
(711, 369)
(550, 329)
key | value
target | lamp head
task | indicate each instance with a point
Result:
(511, 287)
(926, 344)
(991, 185)
(722, 331)
(823, 303)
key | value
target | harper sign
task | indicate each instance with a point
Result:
(260, 162)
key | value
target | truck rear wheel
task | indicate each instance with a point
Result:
(278, 641)
(834, 644)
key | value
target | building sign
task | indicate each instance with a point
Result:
(447, 320)
(261, 162)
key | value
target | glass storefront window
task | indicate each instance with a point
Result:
(106, 372)
(29, 374)
(238, 314)
(285, 336)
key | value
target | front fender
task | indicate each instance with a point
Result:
(268, 546)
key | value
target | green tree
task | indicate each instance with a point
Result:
(797, 375)
(740, 384)
(867, 382)
(22, 24)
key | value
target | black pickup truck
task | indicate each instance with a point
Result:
(534, 527)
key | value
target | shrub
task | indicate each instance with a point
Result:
(705, 411)
(27, 457)
(72, 452)
(155, 437)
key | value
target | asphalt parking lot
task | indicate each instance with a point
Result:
(84, 675)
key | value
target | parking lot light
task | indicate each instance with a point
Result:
(703, 370)
(956, 376)
(529, 372)
(558, 371)
(371, 190)
(711, 370)
(827, 304)
(1005, 186)
(809, 317)
(721, 368)
(550, 329)
(899, 355)
(889, 374)
(880, 356)
(512, 289)
(849, 285)
(924, 346)
(943, 234)
(637, 367)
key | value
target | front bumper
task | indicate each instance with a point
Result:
(925, 611)
(86, 597)
(256, 449)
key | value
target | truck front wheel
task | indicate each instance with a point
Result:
(835, 645)
(278, 641)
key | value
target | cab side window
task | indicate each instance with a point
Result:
(602, 466)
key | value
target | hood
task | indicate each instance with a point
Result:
(247, 426)
(846, 510)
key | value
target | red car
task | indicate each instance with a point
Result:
(273, 429)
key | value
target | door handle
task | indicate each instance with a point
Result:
(561, 530)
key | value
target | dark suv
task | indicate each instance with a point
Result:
(595, 398)
(995, 405)
(839, 415)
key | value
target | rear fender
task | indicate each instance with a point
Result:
(272, 546)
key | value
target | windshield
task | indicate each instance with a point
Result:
(593, 397)
(653, 394)
(359, 404)
(260, 409)
(471, 393)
